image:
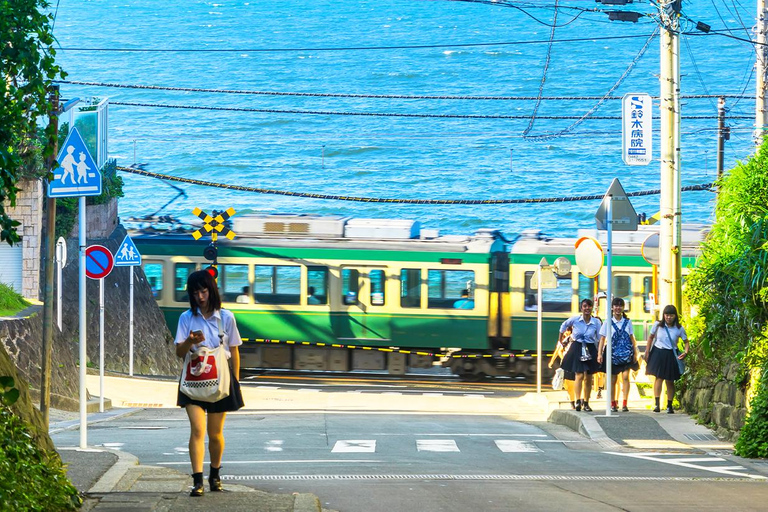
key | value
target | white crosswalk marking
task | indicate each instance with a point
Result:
(354, 446)
(436, 445)
(515, 446)
(275, 445)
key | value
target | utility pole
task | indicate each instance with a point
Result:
(670, 283)
(48, 248)
(720, 136)
(761, 66)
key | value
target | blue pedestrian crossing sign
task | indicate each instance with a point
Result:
(127, 254)
(77, 174)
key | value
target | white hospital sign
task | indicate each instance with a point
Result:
(637, 128)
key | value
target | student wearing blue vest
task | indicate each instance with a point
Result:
(662, 357)
(624, 353)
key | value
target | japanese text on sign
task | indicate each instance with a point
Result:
(637, 129)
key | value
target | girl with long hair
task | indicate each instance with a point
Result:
(662, 356)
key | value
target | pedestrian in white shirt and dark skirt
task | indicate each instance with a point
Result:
(581, 358)
(661, 355)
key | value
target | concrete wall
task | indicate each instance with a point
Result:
(29, 211)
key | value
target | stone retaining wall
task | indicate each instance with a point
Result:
(29, 211)
(720, 402)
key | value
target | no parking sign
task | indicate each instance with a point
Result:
(98, 262)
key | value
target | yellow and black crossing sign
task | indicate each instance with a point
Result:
(214, 225)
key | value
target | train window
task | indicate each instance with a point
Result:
(553, 300)
(647, 291)
(233, 283)
(377, 287)
(410, 288)
(277, 284)
(154, 273)
(180, 275)
(350, 286)
(447, 287)
(586, 287)
(317, 285)
(622, 287)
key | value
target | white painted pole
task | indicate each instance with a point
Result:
(538, 335)
(82, 328)
(59, 264)
(609, 308)
(101, 345)
(130, 327)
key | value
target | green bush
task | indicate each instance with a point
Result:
(30, 479)
(753, 441)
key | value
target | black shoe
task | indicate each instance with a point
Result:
(197, 491)
(215, 484)
(656, 409)
(670, 410)
(625, 409)
(599, 394)
(578, 405)
(587, 408)
(573, 405)
(614, 408)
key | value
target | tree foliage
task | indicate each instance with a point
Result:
(27, 67)
(730, 284)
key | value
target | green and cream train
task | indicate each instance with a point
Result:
(335, 293)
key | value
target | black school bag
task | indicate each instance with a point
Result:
(622, 351)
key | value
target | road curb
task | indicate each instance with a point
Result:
(113, 414)
(583, 423)
(109, 480)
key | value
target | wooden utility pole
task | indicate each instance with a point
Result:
(670, 282)
(49, 249)
(720, 136)
(761, 66)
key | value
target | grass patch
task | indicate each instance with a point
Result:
(10, 301)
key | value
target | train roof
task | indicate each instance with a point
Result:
(625, 243)
(326, 232)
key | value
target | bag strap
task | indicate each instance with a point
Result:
(673, 343)
(221, 329)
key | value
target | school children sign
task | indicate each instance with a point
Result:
(77, 174)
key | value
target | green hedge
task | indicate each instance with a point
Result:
(753, 441)
(30, 479)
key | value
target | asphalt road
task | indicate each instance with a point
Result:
(382, 461)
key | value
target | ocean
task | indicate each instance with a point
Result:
(366, 49)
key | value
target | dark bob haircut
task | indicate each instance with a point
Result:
(199, 280)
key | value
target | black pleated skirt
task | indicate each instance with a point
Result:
(572, 361)
(662, 364)
(229, 403)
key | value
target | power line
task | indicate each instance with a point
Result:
(342, 48)
(371, 96)
(378, 114)
(142, 172)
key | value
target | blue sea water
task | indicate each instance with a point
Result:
(398, 157)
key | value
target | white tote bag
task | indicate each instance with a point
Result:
(206, 376)
(557, 380)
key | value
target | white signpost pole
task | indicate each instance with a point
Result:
(61, 260)
(538, 330)
(609, 311)
(82, 328)
(101, 345)
(130, 328)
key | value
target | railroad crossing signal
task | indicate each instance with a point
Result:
(214, 225)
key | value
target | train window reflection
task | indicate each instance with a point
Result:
(180, 274)
(350, 286)
(317, 285)
(277, 284)
(554, 300)
(154, 273)
(622, 287)
(449, 287)
(377, 287)
(647, 291)
(233, 283)
(586, 288)
(410, 288)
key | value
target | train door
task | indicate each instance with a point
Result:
(362, 317)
